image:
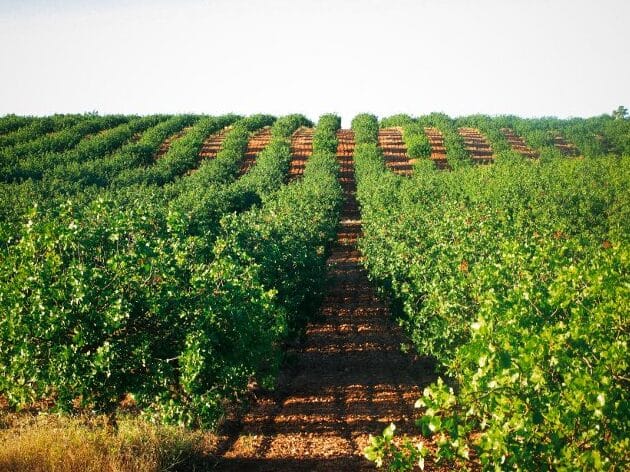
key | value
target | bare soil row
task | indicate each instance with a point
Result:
(346, 380)
(517, 144)
(256, 144)
(168, 142)
(390, 141)
(301, 150)
(477, 145)
(566, 148)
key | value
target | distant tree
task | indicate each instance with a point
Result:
(620, 113)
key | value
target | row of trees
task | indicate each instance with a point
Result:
(515, 278)
(144, 289)
(592, 137)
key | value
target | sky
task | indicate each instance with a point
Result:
(523, 57)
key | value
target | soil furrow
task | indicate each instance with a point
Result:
(438, 149)
(168, 142)
(210, 147)
(390, 141)
(212, 144)
(478, 147)
(347, 379)
(517, 144)
(565, 147)
(256, 144)
(301, 150)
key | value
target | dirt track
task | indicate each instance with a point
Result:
(477, 145)
(347, 380)
(212, 144)
(566, 148)
(257, 142)
(438, 150)
(168, 142)
(394, 151)
(301, 150)
(517, 144)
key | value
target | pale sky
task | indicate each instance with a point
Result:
(530, 58)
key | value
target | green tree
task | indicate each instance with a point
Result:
(620, 113)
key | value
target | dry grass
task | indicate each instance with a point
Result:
(52, 443)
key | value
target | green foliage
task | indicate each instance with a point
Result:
(213, 191)
(89, 168)
(233, 148)
(80, 173)
(515, 277)
(117, 295)
(397, 120)
(414, 136)
(10, 123)
(135, 277)
(324, 137)
(38, 127)
(456, 153)
(289, 235)
(617, 135)
(272, 164)
(287, 125)
(183, 155)
(400, 457)
(112, 303)
(416, 141)
(365, 127)
(11, 158)
(37, 164)
(490, 128)
(620, 113)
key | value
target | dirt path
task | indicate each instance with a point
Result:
(477, 145)
(212, 144)
(256, 144)
(517, 144)
(168, 142)
(438, 149)
(565, 147)
(301, 150)
(210, 147)
(348, 378)
(390, 141)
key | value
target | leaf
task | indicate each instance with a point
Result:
(388, 432)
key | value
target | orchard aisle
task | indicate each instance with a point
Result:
(349, 378)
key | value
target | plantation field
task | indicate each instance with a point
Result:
(415, 292)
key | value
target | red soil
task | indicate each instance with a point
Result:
(256, 144)
(348, 378)
(518, 145)
(301, 150)
(438, 150)
(479, 149)
(166, 144)
(212, 144)
(394, 151)
(565, 147)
